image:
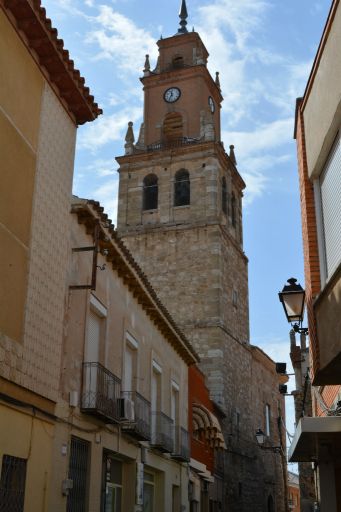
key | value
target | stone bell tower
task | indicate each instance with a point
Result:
(180, 214)
(180, 207)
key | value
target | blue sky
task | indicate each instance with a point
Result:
(263, 50)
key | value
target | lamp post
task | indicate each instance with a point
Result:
(261, 437)
(292, 298)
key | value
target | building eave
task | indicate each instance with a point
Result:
(90, 212)
(29, 20)
(318, 56)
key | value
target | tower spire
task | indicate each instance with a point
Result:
(183, 15)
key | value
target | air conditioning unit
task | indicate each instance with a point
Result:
(126, 409)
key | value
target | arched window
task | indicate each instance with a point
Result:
(271, 507)
(224, 195)
(182, 190)
(172, 126)
(150, 192)
(178, 61)
(233, 210)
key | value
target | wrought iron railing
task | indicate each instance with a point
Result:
(181, 449)
(100, 393)
(162, 432)
(137, 423)
(172, 143)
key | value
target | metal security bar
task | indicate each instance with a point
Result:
(12, 484)
(101, 391)
(139, 424)
(162, 432)
(78, 473)
(181, 449)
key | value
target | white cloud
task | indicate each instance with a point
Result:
(263, 137)
(256, 183)
(101, 168)
(241, 18)
(107, 195)
(121, 40)
(108, 129)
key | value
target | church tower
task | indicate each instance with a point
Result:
(180, 206)
(180, 214)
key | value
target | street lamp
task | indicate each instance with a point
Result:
(261, 437)
(292, 298)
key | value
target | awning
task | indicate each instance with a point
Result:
(205, 420)
(316, 439)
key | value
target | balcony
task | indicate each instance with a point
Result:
(101, 390)
(135, 415)
(162, 432)
(172, 143)
(181, 449)
(328, 324)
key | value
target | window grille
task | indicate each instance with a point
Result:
(182, 188)
(12, 484)
(78, 473)
(150, 192)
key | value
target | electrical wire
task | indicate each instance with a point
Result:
(290, 436)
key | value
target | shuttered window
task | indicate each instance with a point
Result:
(330, 189)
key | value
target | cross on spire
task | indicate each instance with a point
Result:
(183, 15)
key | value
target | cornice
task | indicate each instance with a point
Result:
(142, 158)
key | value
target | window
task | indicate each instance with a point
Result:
(330, 231)
(12, 484)
(267, 420)
(233, 210)
(175, 416)
(93, 344)
(182, 188)
(271, 507)
(155, 396)
(178, 61)
(130, 364)
(148, 492)
(224, 195)
(172, 127)
(95, 330)
(112, 484)
(78, 473)
(150, 192)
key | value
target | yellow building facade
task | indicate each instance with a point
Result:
(37, 134)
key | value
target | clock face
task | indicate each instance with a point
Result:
(211, 104)
(172, 94)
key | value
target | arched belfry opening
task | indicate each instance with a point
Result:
(182, 190)
(178, 61)
(172, 127)
(150, 192)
